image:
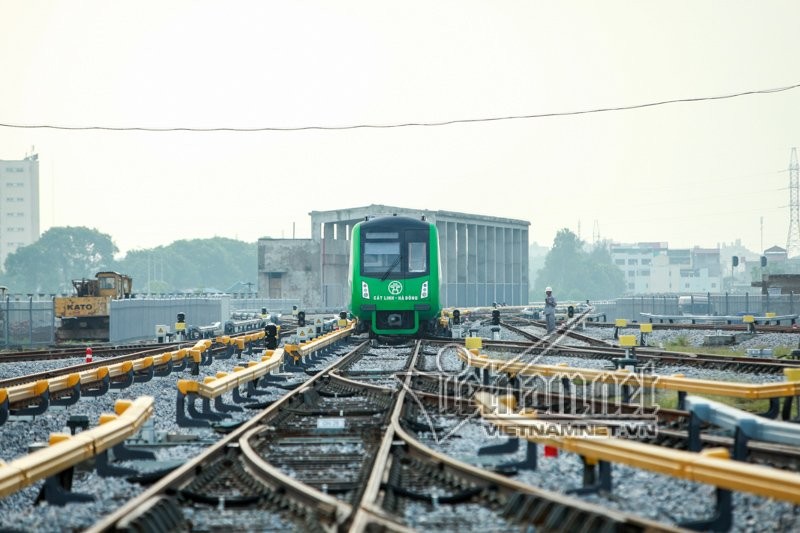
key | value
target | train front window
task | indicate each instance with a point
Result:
(395, 254)
(379, 256)
(417, 257)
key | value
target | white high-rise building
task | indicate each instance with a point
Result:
(19, 205)
(652, 268)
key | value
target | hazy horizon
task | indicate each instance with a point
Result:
(699, 173)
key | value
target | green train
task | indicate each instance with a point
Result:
(394, 275)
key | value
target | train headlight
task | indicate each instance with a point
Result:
(364, 290)
(424, 291)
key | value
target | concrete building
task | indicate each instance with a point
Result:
(19, 205)
(653, 268)
(635, 261)
(776, 255)
(484, 259)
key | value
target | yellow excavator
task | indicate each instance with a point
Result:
(85, 316)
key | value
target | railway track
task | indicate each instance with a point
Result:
(334, 455)
(672, 423)
(98, 351)
(109, 356)
(56, 372)
(654, 357)
(770, 328)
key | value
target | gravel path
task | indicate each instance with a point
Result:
(649, 495)
(654, 496)
(18, 512)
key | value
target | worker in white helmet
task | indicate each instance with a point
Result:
(550, 309)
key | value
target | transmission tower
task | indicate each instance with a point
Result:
(793, 242)
(596, 232)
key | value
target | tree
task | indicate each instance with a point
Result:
(191, 265)
(60, 255)
(63, 254)
(576, 274)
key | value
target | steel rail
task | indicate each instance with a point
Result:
(703, 467)
(184, 474)
(663, 356)
(335, 510)
(760, 452)
(157, 350)
(366, 507)
(369, 507)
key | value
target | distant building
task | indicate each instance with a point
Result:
(242, 287)
(19, 205)
(653, 268)
(778, 284)
(636, 262)
(776, 254)
(484, 259)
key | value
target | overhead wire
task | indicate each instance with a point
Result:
(405, 124)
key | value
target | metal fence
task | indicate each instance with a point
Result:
(26, 322)
(136, 319)
(726, 304)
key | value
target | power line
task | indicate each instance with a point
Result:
(407, 124)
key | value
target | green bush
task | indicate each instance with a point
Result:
(681, 340)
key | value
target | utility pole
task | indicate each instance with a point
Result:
(793, 241)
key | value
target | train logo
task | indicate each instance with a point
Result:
(395, 287)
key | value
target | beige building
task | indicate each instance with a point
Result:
(484, 259)
(654, 268)
(19, 205)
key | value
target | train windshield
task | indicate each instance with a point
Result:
(378, 256)
(395, 254)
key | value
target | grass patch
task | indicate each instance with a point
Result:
(712, 350)
(782, 351)
(681, 341)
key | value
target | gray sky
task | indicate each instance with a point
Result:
(690, 173)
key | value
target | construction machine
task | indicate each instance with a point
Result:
(85, 316)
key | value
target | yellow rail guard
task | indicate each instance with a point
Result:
(306, 348)
(64, 453)
(707, 468)
(621, 377)
(216, 386)
(64, 382)
(27, 391)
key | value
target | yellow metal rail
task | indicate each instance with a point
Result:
(712, 466)
(29, 391)
(623, 377)
(225, 382)
(66, 452)
(303, 349)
